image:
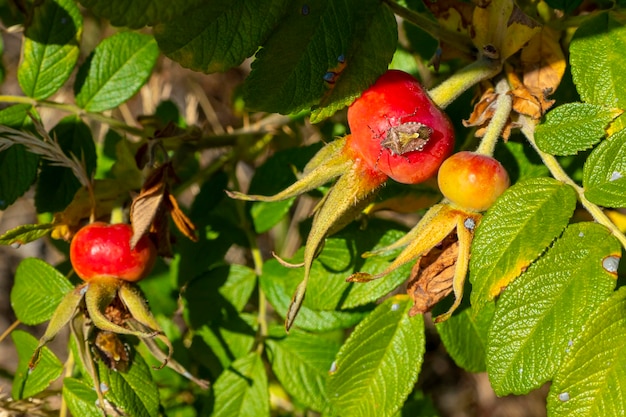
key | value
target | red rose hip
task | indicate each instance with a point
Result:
(398, 130)
(472, 181)
(103, 250)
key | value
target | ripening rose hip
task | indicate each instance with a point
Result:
(472, 181)
(398, 130)
(103, 250)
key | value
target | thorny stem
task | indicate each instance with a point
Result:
(559, 174)
(462, 43)
(503, 107)
(449, 90)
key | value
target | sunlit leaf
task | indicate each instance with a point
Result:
(517, 229)
(378, 365)
(560, 291)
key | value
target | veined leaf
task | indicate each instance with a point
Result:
(228, 339)
(115, 71)
(37, 291)
(25, 233)
(540, 314)
(218, 35)
(465, 337)
(133, 391)
(573, 127)
(139, 13)
(604, 173)
(50, 48)
(301, 363)
(597, 60)
(81, 398)
(591, 380)
(330, 300)
(378, 365)
(242, 389)
(317, 49)
(26, 383)
(514, 232)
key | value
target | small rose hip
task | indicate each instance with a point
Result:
(472, 181)
(103, 250)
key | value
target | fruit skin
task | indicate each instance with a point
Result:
(397, 100)
(103, 250)
(472, 181)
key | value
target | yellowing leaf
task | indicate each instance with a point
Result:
(543, 62)
(502, 25)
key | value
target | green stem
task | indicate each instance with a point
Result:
(71, 108)
(460, 42)
(558, 173)
(503, 107)
(257, 260)
(449, 90)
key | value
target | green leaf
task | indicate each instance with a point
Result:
(25, 233)
(331, 301)
(520, 161)
(115, 71)
(465, 336)
(81, 398)
(218, 35)
(57, 185)
(276, 174)
(222, 289)
(559, 291)
(26, 383)
(321, 46)
(134, 391)
(596, 56)
(37, 291)
(378, 365)
(139, 13)
(301, 363)
(514, 232)
(51, 48)
(242, 389)
(573, 127)
(591, 380)
(18, 167)
(227, 340)
(604, 173)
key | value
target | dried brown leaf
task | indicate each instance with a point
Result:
(431, 277)
(144, 210)
(183, 223)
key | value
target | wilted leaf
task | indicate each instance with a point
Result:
(543, 63)
(431, 277)
(503, 25)
(147, 212)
